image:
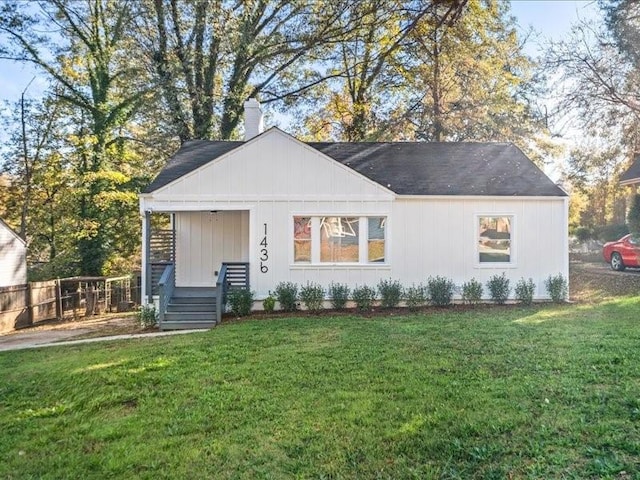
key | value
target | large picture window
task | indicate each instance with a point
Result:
(494, 239)
(339, 239)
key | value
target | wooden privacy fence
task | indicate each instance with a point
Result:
(27, 305)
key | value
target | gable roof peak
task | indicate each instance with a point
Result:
(406, 168)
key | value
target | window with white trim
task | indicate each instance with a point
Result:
(376, 241)
(495, 239)
(302, 239)
(339, 239)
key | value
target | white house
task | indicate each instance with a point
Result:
(278, 209)
(13, 257)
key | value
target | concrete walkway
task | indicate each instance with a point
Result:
(55, 338)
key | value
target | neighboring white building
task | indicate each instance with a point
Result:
(357, 213)
(13, 257)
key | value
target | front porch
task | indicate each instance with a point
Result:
(189, 288)
(183, 308)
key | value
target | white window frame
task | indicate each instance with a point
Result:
(363, 241)
(512, 263)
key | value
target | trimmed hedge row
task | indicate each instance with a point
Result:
(438, 291)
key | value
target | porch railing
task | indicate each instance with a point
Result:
(166, 286)
(162, 254)
(233, 275)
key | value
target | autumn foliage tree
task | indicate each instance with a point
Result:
(86, 59)
(132, 79)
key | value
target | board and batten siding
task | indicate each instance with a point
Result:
(273, 166)
(268, 180)
(425, 237)
(439, 236)
(206, 239)
(223, 207)
(13, 258)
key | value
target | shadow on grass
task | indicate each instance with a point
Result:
(628, 307)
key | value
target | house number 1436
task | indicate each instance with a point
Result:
(264, 253)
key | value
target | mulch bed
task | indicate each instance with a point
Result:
(590, 282)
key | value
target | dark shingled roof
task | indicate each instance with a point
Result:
(439, 168)
(407, 168)
(633, 172)
(189, 157)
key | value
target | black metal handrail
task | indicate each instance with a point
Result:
(166, 286)
(233, 275)
(221, 291)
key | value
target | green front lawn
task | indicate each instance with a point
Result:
(545, 392)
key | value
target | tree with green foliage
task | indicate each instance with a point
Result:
(593, 170)
(470, 78)
(88, 61)
(597, 73)
(208, 57)
(368, 66)
(443, 71)
(37, 182)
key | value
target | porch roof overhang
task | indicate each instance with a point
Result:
(153, 206)
(200, 203)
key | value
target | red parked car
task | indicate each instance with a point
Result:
(623, 253)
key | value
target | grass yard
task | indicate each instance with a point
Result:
(545, 392)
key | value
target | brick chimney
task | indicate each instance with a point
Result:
(253, 123)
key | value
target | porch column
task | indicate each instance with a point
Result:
(146, 258)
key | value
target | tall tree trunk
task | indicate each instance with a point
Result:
(438, 128)
(27, 173)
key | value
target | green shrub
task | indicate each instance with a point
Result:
(147, 316)
(390, 292)
(269, 304)
(609, 233)
(557, 287)
(312, 294)
(472, 292)
(287, 295)
(416, 296)
(524, 291)
(499, 288)
(240, 301)
(440, 291)
(363, 297)
(583, 234)
(633, 217)
(339, 294)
